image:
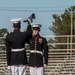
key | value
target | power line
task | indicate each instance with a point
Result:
(31, 10)
(36, 7)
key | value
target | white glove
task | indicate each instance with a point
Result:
(9, 67)
(45, 66)
(27, 66)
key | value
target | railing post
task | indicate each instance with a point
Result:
(67, 45)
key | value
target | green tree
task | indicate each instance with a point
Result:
(3, 32)
(62, 25)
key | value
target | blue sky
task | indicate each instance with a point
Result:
(43, 10)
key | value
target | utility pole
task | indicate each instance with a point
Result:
(71, 29)
(74, 28)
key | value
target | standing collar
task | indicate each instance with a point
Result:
(16, 31)
(36, 35)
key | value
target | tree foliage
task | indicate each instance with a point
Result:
(62, 25)
(3, 32)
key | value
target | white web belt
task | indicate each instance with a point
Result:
(16, 50)
(33, 51)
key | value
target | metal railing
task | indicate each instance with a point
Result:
(60, 61)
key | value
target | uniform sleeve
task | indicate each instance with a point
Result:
(29, 30)
(29, 33)
(8, 51)
(45, 47)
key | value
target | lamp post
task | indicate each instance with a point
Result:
(74, 27)
(71, 12)
(71, 29)
(71, 33)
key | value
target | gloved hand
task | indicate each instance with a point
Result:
(45, 65)
(9, 67)
(28, 22)
(27, 66)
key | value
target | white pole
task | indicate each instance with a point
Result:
(71, 31)
(74, 27)
(71, 36)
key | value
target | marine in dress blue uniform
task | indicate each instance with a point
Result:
(15, 43)
(38, 51)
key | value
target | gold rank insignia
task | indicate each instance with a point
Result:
(40, 40)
